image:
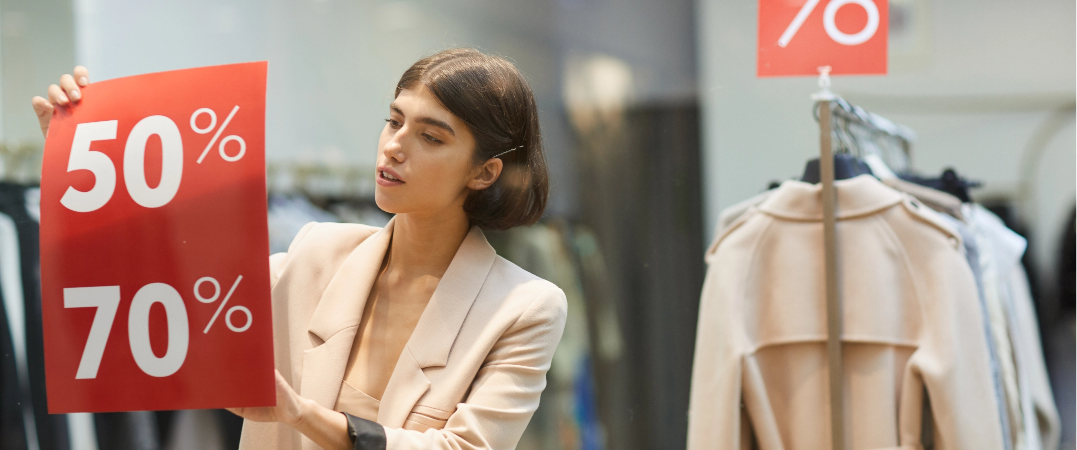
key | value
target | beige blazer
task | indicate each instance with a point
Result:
(469, 377)
(913, 325)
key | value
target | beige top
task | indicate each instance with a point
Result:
(470, 375)
(912, 325)
(357, 403)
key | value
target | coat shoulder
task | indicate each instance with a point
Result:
(319, 248)
(930, 225)
(324, 236)
(526, 292)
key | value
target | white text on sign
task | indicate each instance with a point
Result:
(107, 300)
(134, 156)
(829, 24)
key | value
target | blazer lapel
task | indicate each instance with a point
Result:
(336, 319)
(434, 335)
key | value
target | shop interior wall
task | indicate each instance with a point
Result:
(988, 85)
(36, 39)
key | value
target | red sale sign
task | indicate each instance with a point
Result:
(796, 37)
(154, 248)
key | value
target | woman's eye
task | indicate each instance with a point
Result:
(431, 138)
(393, 123)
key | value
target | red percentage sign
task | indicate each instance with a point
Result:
(829, 25)
(227, 139)
(215, 296)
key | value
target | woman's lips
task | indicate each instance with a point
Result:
(388, 177)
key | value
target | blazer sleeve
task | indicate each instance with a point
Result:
(506, 389)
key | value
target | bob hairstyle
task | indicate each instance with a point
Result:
(491, 96)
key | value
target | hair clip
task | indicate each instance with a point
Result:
(506, 151)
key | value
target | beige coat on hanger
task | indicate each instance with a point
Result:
(913, 325)
(469, 377)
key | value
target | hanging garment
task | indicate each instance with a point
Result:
(195, 429)
(1043, 412)
(15, 324)
(972, 255)
(912, 324)
(937, 200)
(951, 209)
(730, 215)
(12, 429)
(1033, 415)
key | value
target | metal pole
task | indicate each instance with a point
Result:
(833, 299)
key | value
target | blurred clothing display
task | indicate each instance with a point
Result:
(916, 265)
(567, 417)
(19, 419)
(196, 429)
(23, 406)
(908, 296)
(20, 277)
(972, 255)
(1032, 412)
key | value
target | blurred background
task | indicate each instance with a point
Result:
(653, 121)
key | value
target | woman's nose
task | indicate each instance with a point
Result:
(394, 149)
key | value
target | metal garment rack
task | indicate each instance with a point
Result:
(833, 299)
(828, 105)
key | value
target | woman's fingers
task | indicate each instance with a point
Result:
(43, 108)
(67, 83)
(68, 91)
(82, 75)
(57, 96)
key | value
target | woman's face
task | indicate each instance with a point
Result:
(425, 164)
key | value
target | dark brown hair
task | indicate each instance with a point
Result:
(496, 103)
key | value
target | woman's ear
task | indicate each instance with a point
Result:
(485, 174)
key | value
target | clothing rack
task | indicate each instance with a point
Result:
(321, 180)
(874, 122)
(20, 162)
(828, 105)
(823, 100)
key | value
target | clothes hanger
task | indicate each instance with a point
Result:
(949, 182)
(846, 164)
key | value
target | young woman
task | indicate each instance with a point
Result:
(417, 332)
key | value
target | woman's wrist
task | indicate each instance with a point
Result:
(327, 428)
(304, 409)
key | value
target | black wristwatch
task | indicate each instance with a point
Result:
(365, 435)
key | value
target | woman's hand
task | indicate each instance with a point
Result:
(66, 93)
(289, 409)
(327, 428)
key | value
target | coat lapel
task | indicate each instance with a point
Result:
(336, 319)
(434, 335)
